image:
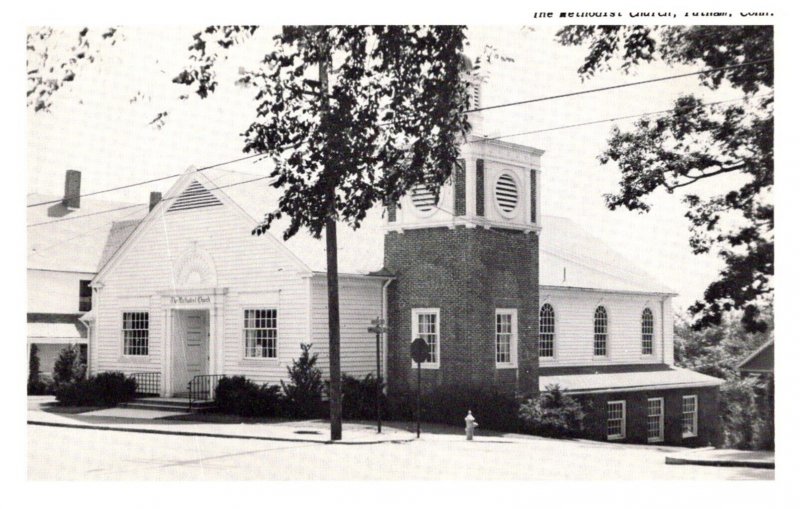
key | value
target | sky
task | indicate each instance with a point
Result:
(100, 126)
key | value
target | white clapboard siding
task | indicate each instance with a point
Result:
(51, 291)
(359, 303)
(574, 327)
(255, 271)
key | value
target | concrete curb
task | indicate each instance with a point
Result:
(217, 435)
(671, 460)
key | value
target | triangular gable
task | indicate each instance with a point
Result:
(192, 178)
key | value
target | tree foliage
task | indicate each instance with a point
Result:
(69, 366)
(699, 141)
(303, 393)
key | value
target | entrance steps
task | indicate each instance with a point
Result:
(170, 404)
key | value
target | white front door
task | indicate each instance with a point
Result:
(190, 357)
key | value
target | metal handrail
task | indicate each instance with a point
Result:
(148, 383)
(203, 388)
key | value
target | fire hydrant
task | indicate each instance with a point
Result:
(470, 425)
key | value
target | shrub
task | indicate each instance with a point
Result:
(303, 393)
(36, 386)
(358, 398)
(104, 389)
(237, 395)
(492, 407)
(552, 414)
(739, 413)
(69, 366)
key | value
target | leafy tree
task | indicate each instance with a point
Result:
(303, 393)
(35, 383)
(553, 413)
(697, 142)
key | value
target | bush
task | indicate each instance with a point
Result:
(69, 366)
(104, 389)
(303, 393)
(492, 407)
(237, 395)
(739, 413)
(552, 414)
(358, 398)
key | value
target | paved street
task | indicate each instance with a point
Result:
(61, 453)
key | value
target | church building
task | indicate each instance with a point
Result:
(504, 296)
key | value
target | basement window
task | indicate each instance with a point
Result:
(615, 423)
(689, 416)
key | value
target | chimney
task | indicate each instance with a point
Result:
(72, 190)
(155, 197)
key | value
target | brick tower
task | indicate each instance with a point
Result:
(467, 272)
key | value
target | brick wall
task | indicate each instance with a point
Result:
(467, 273)
(708, 424)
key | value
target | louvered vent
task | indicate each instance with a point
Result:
(194, 197)
(506, 193)
(423, 199)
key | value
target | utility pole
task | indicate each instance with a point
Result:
(334, 333)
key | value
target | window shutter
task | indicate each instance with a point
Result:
(460, 188)
(479, 188)
(533, 196)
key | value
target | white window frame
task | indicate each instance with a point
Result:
(123, 329)
(555, 318)
(607, 345)
(243, 314)
(652, 332)
(660, 437)
(693, 433)
(621, 434)
(512, 354)
(415, 312)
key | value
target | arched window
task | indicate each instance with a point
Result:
(547, 331)
(647, 332)
(600, 331)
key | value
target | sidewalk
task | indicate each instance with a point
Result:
(169, 423)
(723, 458)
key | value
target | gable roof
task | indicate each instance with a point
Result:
(761, 360)
(571, 257)
(58, 242)
(565, 248)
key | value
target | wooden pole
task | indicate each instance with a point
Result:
(334, 334)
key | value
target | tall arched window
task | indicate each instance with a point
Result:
(647, 332)
(547, 331)
(600, 331)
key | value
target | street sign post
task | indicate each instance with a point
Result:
(378, 328)
(419, 352)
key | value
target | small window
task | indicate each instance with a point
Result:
(615, 423)
(506, 193)
(85, 296)
(547, 331)
(600, 332)
(689, 419)
(425, 325)
(505, 336)
(261, 333)
(647, 332)
(655, 420)
(135, 332)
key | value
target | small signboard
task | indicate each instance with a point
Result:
(419, 350)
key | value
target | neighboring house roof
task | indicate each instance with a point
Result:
(50, 332)
(670, 378)
(760, 361)
(564, 246)
(74, 245)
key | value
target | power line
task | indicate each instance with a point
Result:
(135, 184)
(623, 85)
(517, 103)
(605, 120)
(141, 205)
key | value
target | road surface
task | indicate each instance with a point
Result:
(62, 453)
